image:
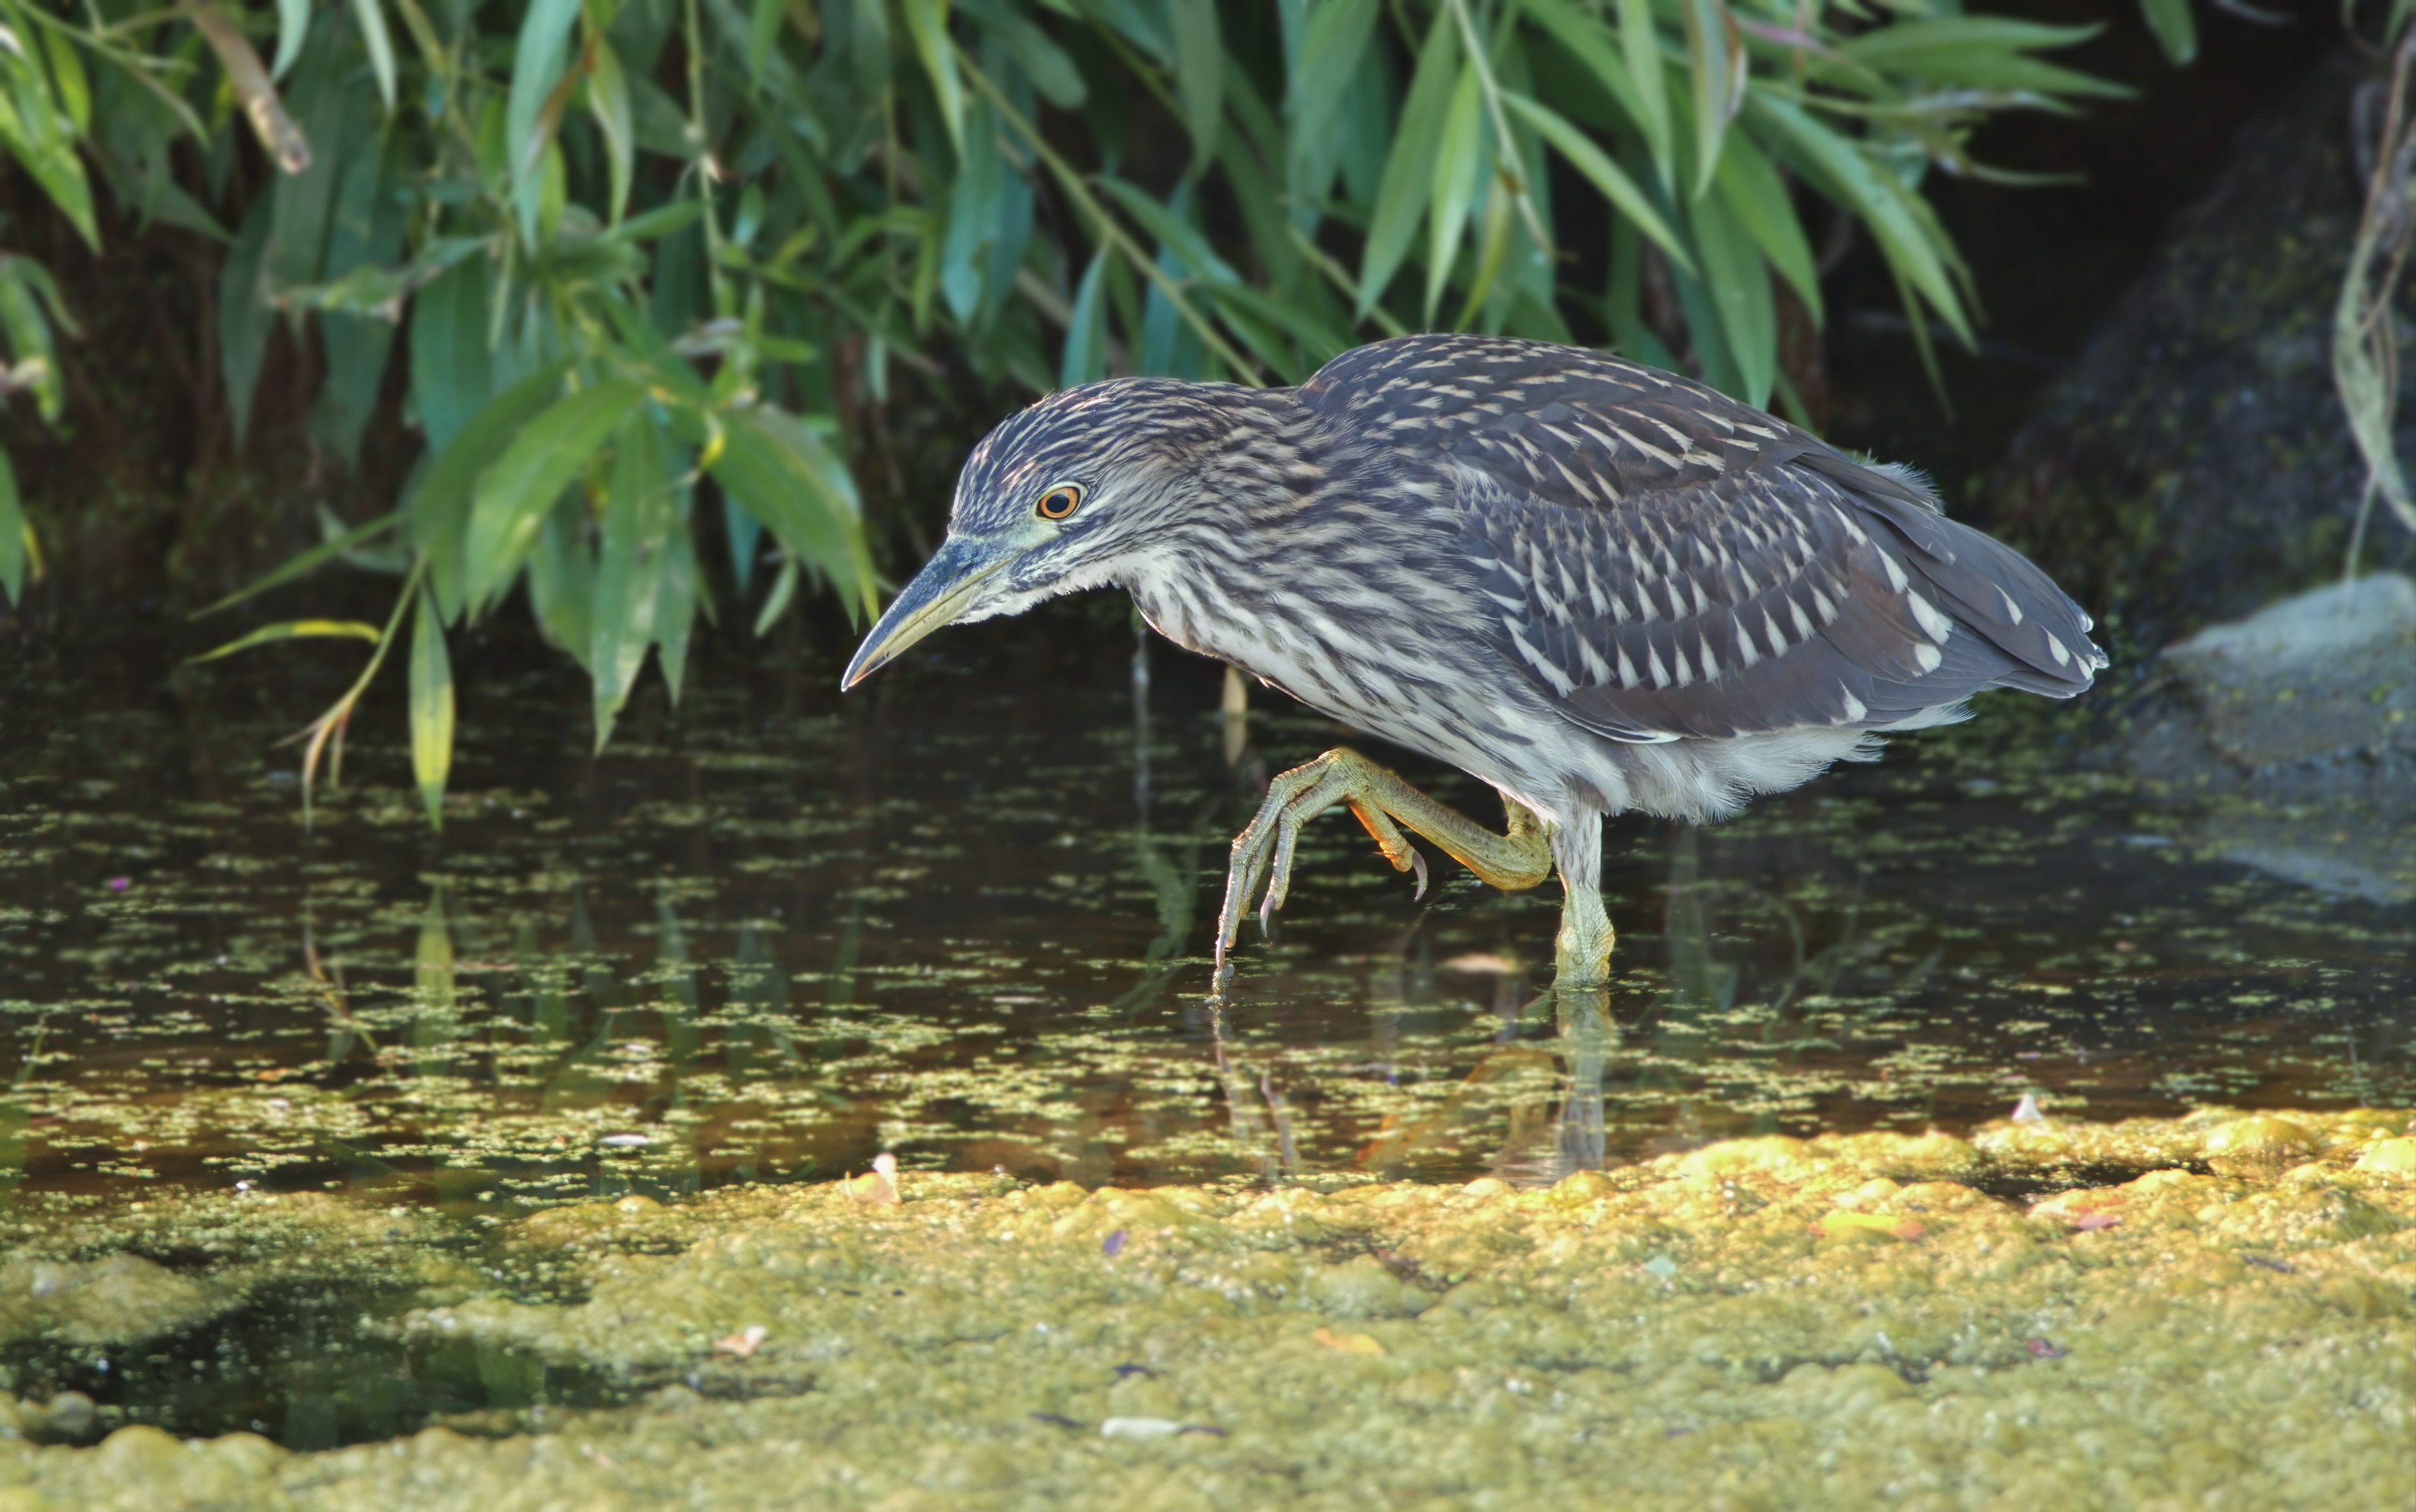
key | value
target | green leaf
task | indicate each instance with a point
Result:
(67, 76)
(1715, 64)
(1457, 157)
(1331, 46)
(763, 36)
(14, 533)
(537, 61)
(1739, 285)
(451, 371)
(2176, 29)
(372, 289)
(663, 220)
(1981, 51)
(637, 526)
(44, 142)
(1586, 39)
(293, 28)
(514, 496)
(432, 709)
(783, 475)
(1409, 171)
(1640, 44)
(776, 603)
(325, 110)
(1838, 169)
(381, 48)
(1199, 74)
(350, 629)
(1758, 199)
(608, 99)
(675, 607)
(31, 345)
(306, 561)
(926, 22)
(562, 583)
(1601, 172)
(1173, 232)
(367, 231)
(245, 316)
(1085, 354)
(1042, 60)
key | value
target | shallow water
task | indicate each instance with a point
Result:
(961, 915)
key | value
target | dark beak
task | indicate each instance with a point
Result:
(937, 596)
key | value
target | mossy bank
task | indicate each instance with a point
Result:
(1849, 1321)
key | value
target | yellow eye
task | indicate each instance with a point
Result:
(1060, 502)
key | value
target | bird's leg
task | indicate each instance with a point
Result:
(1513, 861)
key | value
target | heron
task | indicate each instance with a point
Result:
(1592, 585)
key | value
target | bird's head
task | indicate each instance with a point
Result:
(1058, 498)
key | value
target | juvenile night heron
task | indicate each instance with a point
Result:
(1592, 585)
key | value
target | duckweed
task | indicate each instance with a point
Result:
(1845, 1321)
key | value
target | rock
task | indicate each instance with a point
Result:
(2194, 463)
(2324, 676)
(2301, 720)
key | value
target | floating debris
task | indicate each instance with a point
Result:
(877, 1185)
(1140, 1427)
(743, 1344)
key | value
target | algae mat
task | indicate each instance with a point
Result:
(1856, 1319)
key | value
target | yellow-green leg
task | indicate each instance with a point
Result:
(1513, 861)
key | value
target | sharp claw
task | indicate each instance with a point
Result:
(1418, 863)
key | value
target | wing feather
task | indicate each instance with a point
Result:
(1662, 561)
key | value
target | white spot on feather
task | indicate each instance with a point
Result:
(1937, 626)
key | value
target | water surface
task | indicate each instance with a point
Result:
(962, 914)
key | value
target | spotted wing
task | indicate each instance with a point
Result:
(1667, 562)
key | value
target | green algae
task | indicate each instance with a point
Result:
(1760, 1323)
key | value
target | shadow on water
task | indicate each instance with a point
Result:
(962, 917)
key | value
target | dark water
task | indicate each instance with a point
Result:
(962, 915)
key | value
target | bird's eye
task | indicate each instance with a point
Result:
(1060, 502)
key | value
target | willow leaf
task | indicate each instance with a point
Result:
(1601, 172)
(14, 533)
(513, 497)
(1457, 157)
(1739, 286)
(432, 709)
(349, 629)
(1408, 171)
(1640, 42)
(380, 43)
(926, 22)
(1199, 73)
(1758, 198)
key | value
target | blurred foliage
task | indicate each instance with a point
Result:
(628, 246)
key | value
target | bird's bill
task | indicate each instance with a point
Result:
(942, 590)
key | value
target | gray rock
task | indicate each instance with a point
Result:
(2327, 674)
(2297, 727)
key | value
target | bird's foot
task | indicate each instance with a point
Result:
(1262, 853)
(1581, 953)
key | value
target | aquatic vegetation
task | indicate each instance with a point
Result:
(1774, 1321)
